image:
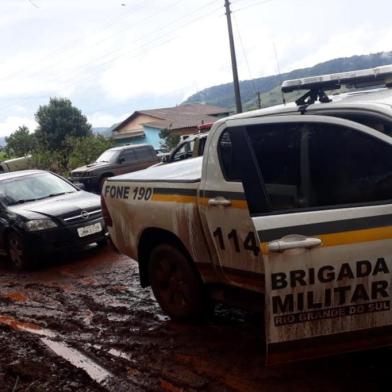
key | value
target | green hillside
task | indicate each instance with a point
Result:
(269, 86)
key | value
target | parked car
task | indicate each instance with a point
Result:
(42, 213)
(291, 207)
(14, 164)
(116, 160)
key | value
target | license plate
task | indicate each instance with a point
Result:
(88, 230)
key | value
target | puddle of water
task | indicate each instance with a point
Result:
(118, 317)
(119, 354)
(76, 358)
(26, 327)
(70, 354)
(162, 317)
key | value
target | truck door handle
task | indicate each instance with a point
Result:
(219, 201)
(293, 242)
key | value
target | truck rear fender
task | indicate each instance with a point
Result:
(150, 238)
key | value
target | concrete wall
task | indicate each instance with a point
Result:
(151, 137)
(136, 123)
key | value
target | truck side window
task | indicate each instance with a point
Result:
(128, 156)
(348, 167)
(277, 150)
(230, 170)
(184, 152)
(375, 121)
(142, 154)
(202, 144)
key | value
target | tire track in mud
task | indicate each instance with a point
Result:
(71, 319)
(92, 311)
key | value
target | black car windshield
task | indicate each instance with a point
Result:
(108, 156)
(33, 187)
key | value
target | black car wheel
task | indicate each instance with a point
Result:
(177, 285)
(16, 251)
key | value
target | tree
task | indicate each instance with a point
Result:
(169, 140)
(59, 120)
(20, 143)
(87, 149)
(83, 150)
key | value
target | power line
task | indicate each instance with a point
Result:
(252, 5)
(145, 45)
(159, 30)
(245, 56)
(160, 43)
(33, 4)
(99, 42)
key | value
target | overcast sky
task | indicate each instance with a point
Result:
(111, 57)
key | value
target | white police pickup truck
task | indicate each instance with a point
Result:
(292, 203)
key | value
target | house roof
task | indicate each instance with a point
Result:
(178, 117)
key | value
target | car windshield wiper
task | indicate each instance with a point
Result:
(58, 194)
(53, 195)
(21, 201)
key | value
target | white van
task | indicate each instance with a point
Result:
(15, 164)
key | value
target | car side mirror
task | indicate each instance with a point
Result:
(81, 186)
(120, 160)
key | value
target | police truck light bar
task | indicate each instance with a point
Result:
(366, 77)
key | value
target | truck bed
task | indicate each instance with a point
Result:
(188, 170)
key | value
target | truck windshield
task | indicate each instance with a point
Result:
(108, 156)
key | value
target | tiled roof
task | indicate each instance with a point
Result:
(185, 110)
(178, 117)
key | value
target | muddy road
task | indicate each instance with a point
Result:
(82, 323)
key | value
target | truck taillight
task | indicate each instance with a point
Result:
(105, 213)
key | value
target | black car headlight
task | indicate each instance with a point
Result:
(39, 224)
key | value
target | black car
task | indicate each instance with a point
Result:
(42, 213)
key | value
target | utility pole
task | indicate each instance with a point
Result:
(233, 59)
(258, 100)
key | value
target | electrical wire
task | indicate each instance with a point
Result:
(245, 56)
(106, 27)
(95, 60)
(146, 44)
(252, 5)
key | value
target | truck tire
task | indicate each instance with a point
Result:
(177, 286)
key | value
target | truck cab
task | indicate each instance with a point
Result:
(290, 205)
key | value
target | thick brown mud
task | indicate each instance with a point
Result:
(82, 323)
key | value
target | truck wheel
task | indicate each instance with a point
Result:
(17, 252)
(176, 285)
